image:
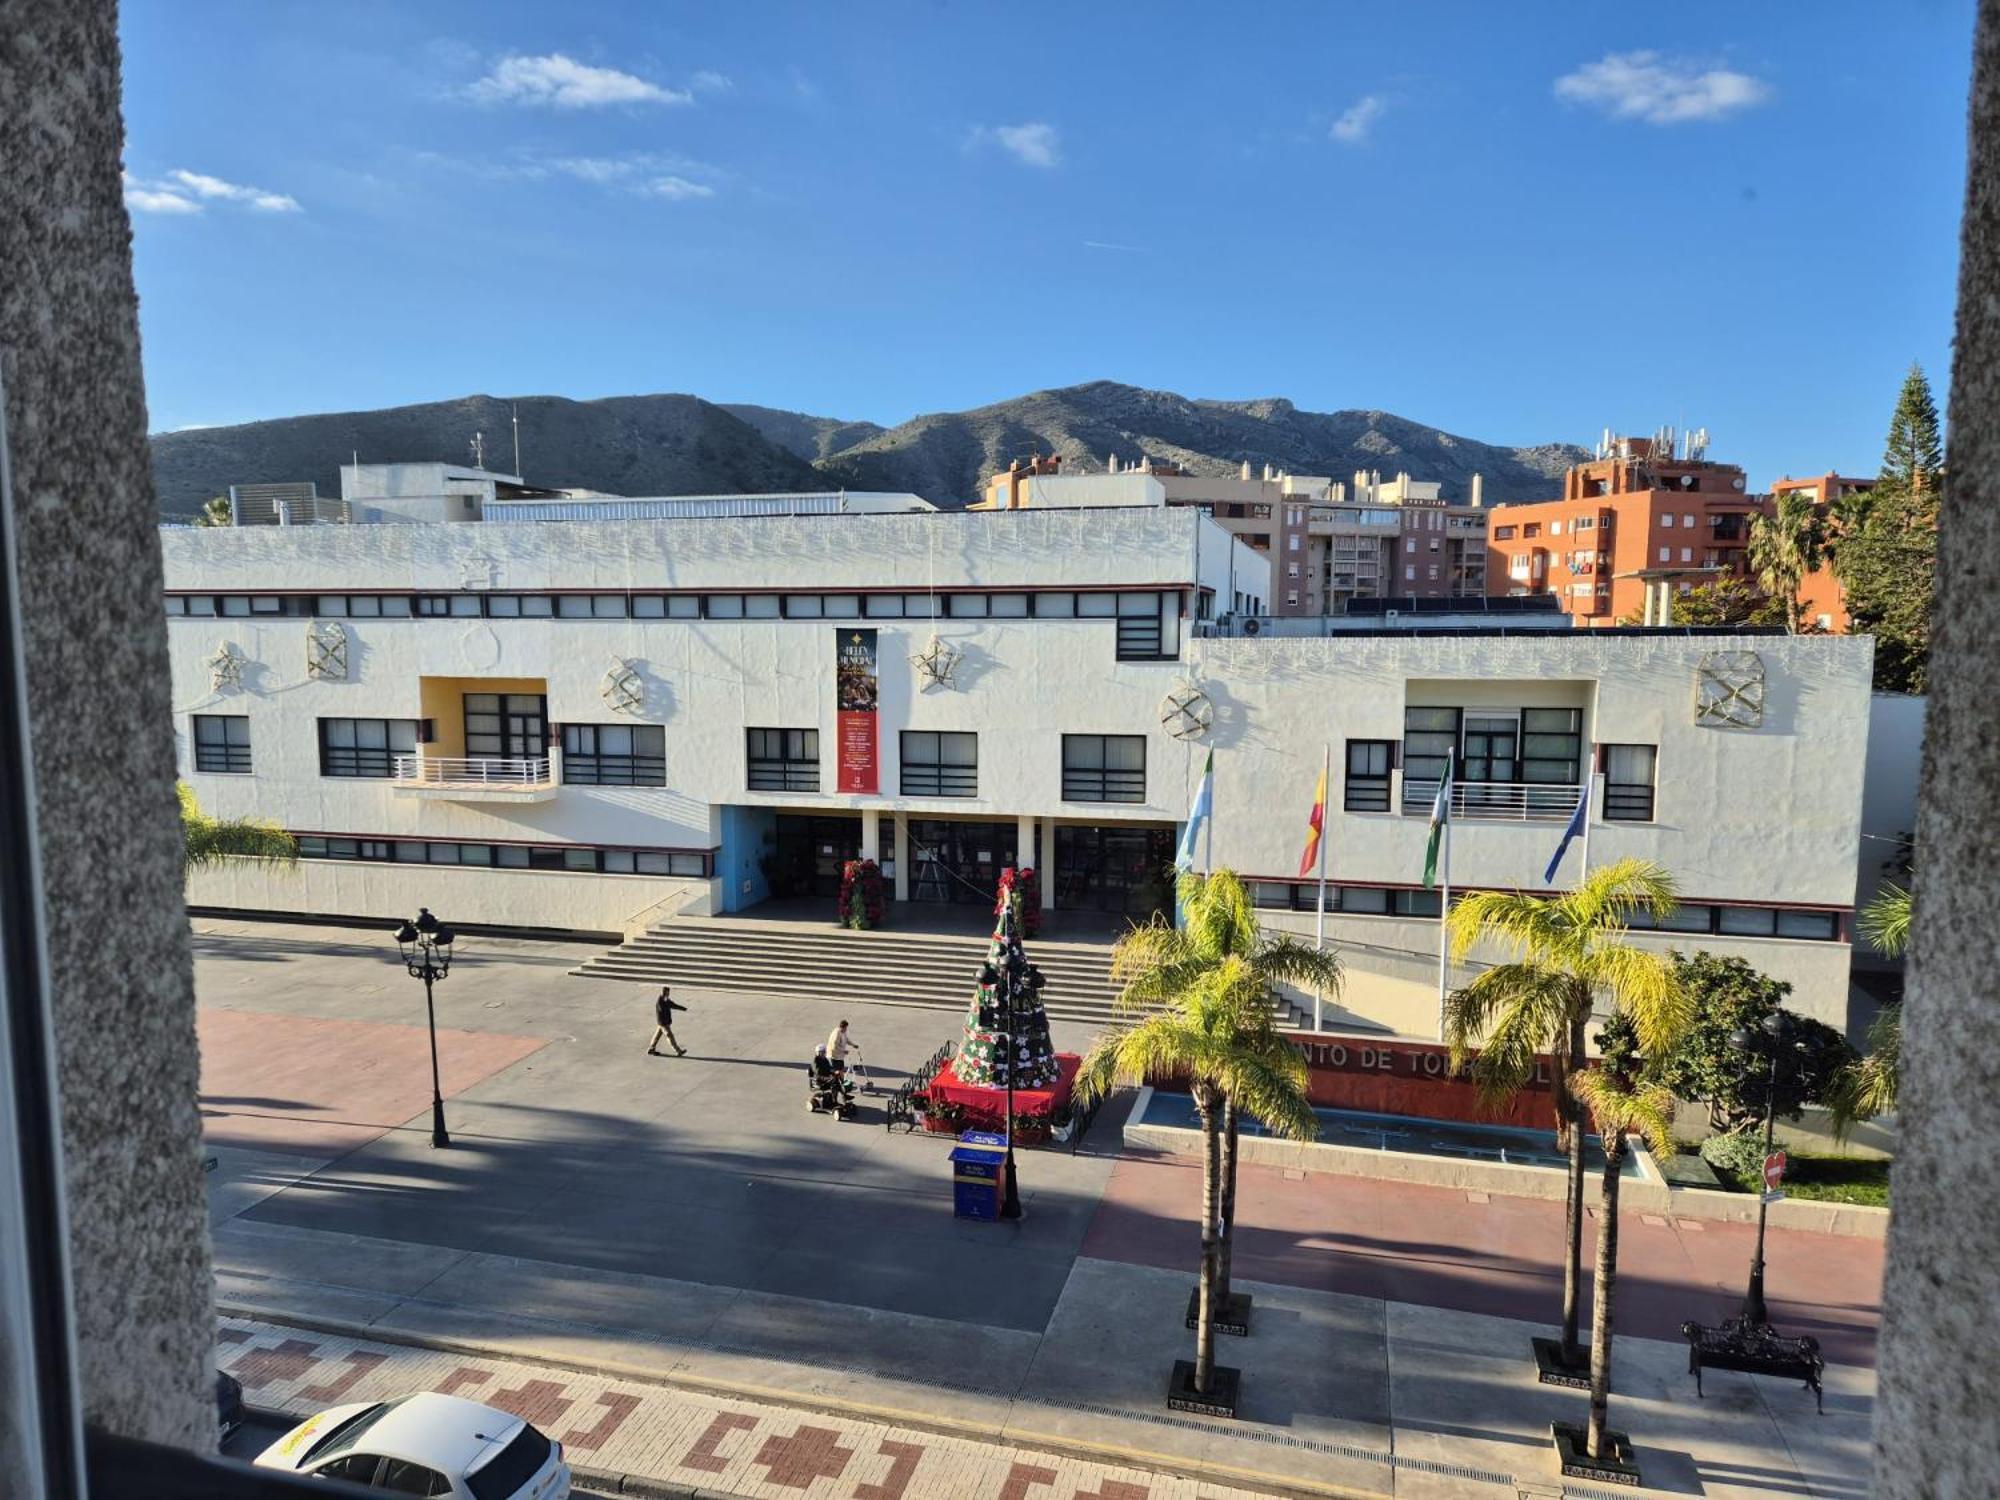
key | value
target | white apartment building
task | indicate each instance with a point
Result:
(575, 724)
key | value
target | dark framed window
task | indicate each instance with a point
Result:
(434, 606)
(1149, 625)
(1551, 745)
(1104, 768)
(365, 747)
(783, 760)
(614, 755)
(363, 606)
(938, 764)
(222, 744)
(1430, 743)
(520, 606)
(1629, 772)
(315, 847)
(1369, 763)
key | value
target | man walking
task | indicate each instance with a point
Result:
(663, 1018)
(838, 1044)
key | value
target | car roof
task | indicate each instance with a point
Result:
(440, 1432)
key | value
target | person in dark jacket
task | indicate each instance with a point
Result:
(663, 1018)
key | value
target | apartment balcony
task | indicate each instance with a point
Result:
(475, 778)
(1496, 801)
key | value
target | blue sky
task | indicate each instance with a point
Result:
(1520, 223)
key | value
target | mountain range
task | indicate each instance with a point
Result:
(674, 444)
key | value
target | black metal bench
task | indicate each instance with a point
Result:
(1755, 1349)
(901, 1106)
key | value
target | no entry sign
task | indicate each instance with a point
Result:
(1774, 1170)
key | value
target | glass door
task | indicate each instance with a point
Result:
(1492, 755)
(512, 726)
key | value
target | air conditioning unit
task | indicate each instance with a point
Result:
(1392, 614)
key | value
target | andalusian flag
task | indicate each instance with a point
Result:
(1315, 828)
(1204, 800)
(1440, 817)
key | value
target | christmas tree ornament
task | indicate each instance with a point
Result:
(936, 663)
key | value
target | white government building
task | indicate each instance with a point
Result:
(587, 724)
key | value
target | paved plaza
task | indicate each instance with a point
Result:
(685, 1222)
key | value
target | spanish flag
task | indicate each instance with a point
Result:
(1315, 828)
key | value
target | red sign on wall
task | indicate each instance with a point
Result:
(855, 692)
(1392, 1077)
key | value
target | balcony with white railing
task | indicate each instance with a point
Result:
(1499, 801)
(475, 778)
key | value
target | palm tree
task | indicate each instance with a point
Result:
(1566, 949)
(1217, 1034)
(1155, 965)
(1867, 1086)
(1784, 547)
(207, 841)
(1621, 1104)
(215, 512)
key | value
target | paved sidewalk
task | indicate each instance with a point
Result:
(636, 1437)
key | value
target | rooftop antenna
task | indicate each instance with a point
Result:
(516, 409)
(478, 450)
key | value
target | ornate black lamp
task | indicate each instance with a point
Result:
(426, 949)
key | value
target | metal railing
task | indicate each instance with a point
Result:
(1508, 801)
(473, 770)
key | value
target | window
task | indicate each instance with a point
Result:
(842, 606)
(399, 1476)
(508, 1471)
(1149, 624)
(519, 606)
(1503, 533)
(1009, 606)
(1096, 606)
(314, 847)
(364, 747)
(364, 606)
(940, 764)
(590, 606)
(1551, 745)
(654, 862)
(1555, 528)
(883, 606)
(1430, 743)
(614, 755)
(1584, 523)
(1291, 598)
(222, 743)
(1666, 554)
(1057, 606)
(1628, 782)
(783, 760)
(1409, 544)
(433, 605)
(761, 606)
(1667, 521)
(1104, 768)
(1688, 521)
(1531, 528)
(1367, 785)
(1291, 570)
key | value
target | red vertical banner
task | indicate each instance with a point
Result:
(856, 692)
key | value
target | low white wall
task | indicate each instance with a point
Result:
(499, 898)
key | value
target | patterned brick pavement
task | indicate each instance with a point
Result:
(671, 1436)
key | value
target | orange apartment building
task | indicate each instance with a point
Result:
(1645, 519)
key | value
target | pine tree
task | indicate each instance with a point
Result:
(1888, 560)
(1914, 455)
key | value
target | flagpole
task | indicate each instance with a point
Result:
(1319, 906)
(1589, 788)
(1444, 913)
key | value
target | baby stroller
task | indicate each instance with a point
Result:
(828, 1092)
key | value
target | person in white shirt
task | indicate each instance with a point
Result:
(839, 1043)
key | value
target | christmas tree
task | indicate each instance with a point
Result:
(988, 1053)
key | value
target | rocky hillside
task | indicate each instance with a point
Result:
(949, 455)
(626, 445)
(663, 445)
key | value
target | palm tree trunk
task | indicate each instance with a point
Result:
(1228, 1235)
(1606, 1284)
(1573, 1119)
(1211, 1183)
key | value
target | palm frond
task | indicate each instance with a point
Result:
(1512, 1013)
(1885, 921)
(1867, 1087)
(207, 841)
(1646, 989)
(1620, 1107)
(1284, 959)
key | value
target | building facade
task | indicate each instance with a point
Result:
(1822, 602)
(1327, 542)
(588, 725)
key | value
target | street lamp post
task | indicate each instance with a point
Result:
(1775, 1030)
(426, 950)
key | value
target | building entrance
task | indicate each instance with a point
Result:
(808, 853)
(1123, 870)
(960, 863)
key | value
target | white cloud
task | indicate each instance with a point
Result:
(203, 186)
(1034, 144)
(1358, 120)
(185, 192)
(593, 168)
(564, 83)
(1114, 245)
(707, 81)
(1660, 90)
(677, 189)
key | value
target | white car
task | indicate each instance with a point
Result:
(426, 1444)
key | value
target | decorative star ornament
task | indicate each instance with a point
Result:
(1186, 712)
(936, 663)
(225, 668)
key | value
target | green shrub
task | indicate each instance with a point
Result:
(1738, 1156)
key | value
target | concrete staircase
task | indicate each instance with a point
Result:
(932, 970)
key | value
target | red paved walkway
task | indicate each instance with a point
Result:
(1434, 1246)
(323, 1088)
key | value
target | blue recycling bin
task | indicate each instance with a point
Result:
(976, 1164)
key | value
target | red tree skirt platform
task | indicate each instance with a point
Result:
(971, 1106)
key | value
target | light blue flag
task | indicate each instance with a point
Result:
(1573, 830)
(1204, 800)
